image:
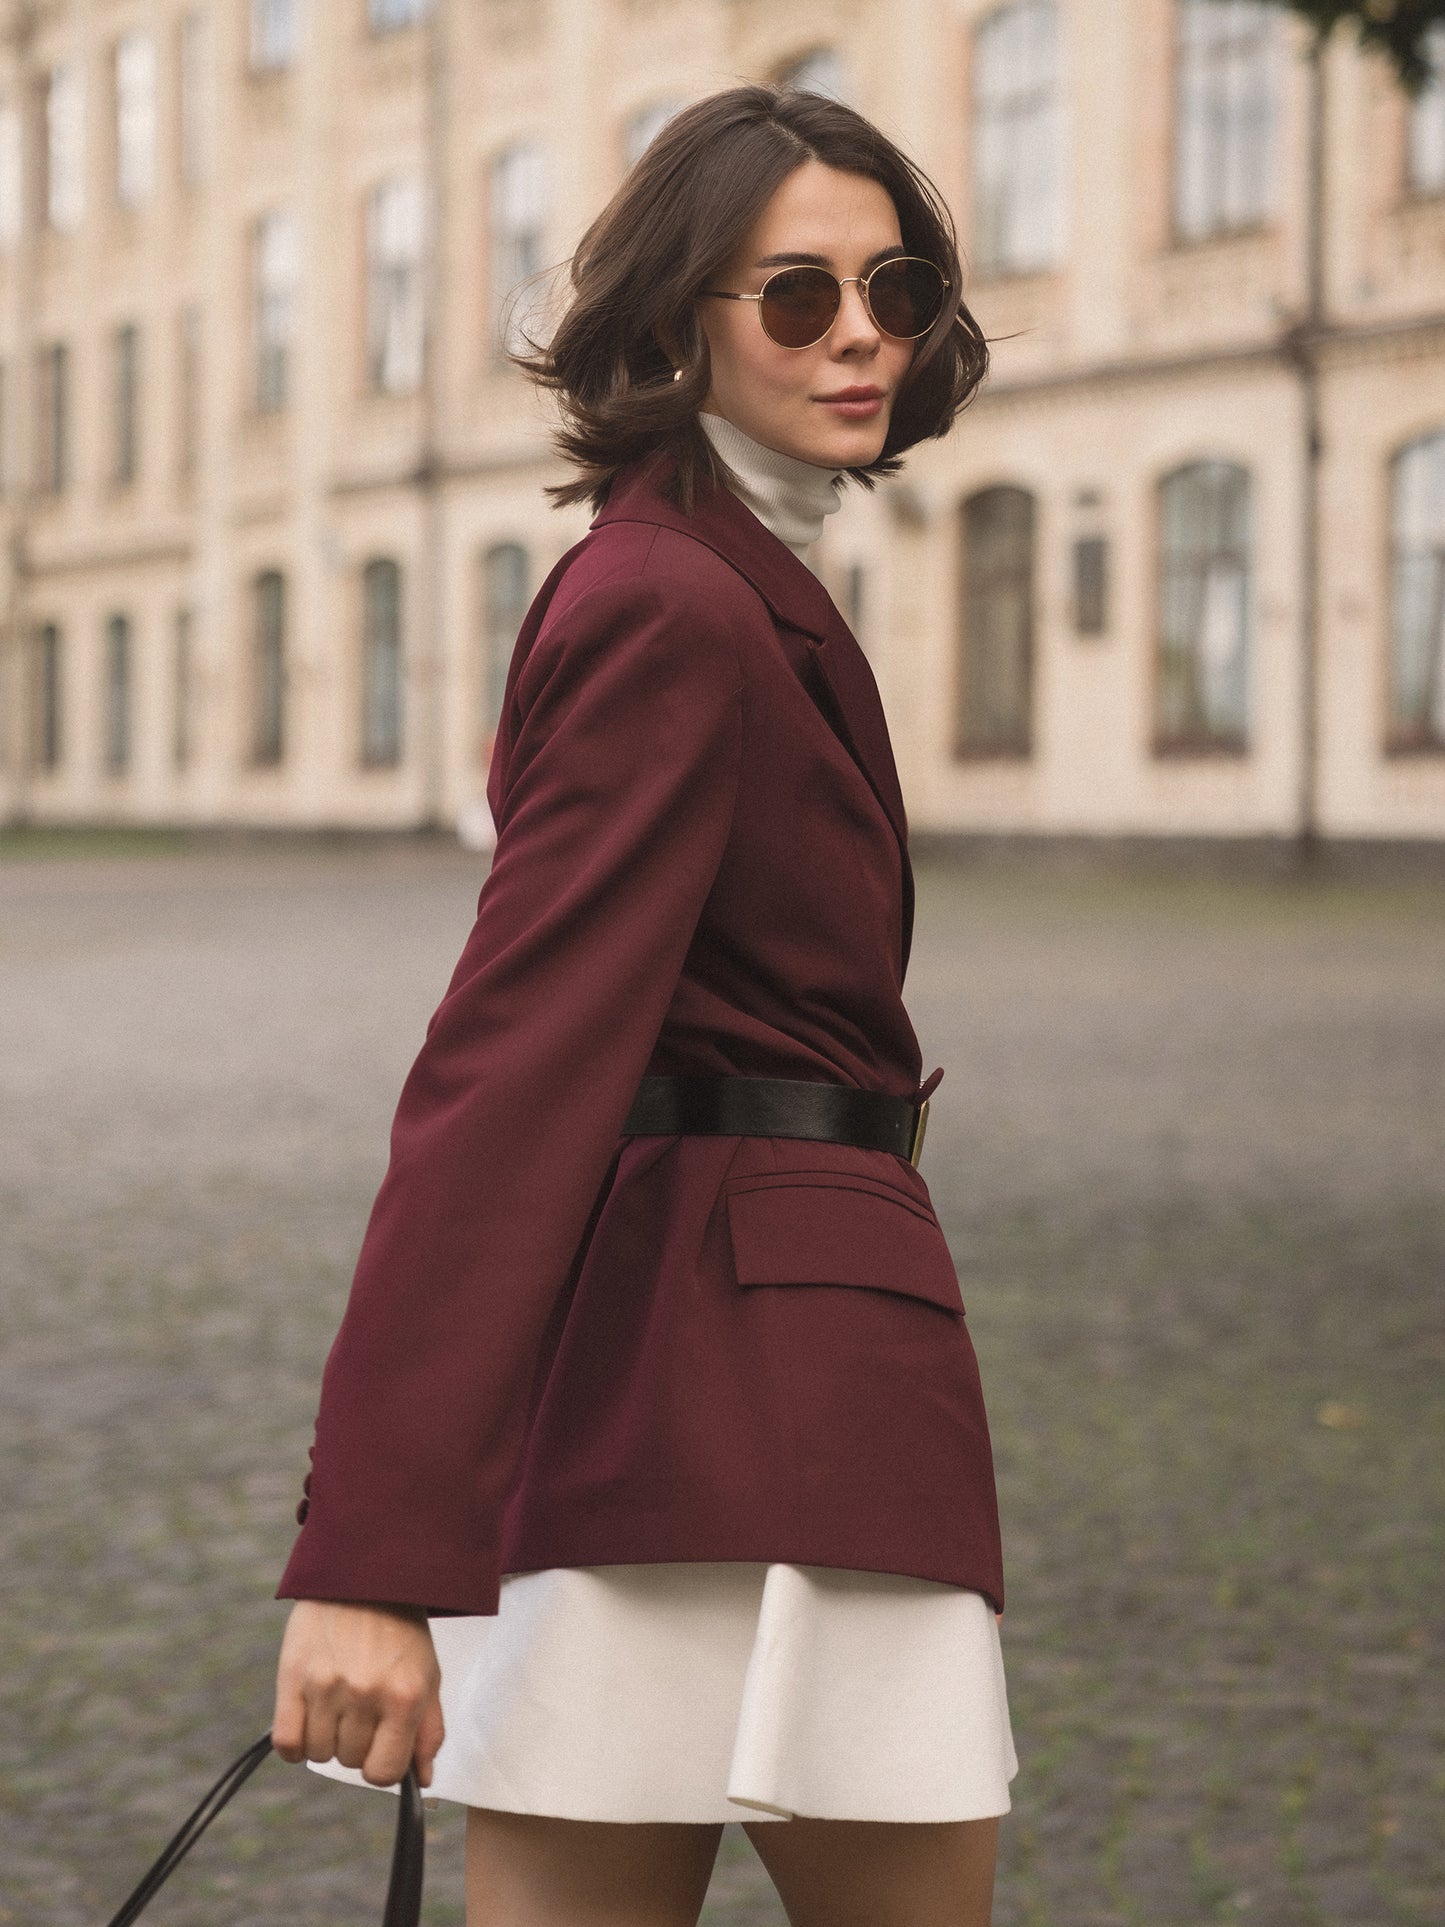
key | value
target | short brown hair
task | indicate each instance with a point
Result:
(680, 214)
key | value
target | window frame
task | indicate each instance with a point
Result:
(1397, 740)
(1258, 218)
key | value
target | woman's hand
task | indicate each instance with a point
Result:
(359, 1684)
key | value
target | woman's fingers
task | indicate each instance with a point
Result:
(357, 1684)
(429, 1736)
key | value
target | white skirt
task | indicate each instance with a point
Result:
(715, 1691)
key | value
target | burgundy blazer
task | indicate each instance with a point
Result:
(564, 1347)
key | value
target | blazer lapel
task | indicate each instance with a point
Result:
(796, 597)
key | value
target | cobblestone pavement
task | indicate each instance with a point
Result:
(1189, 1152)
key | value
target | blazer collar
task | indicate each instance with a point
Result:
(795, 596)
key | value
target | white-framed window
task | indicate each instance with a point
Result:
(1425, 154)
(116, 713)
(1201, 683)
(193, 73)
(1227, 58)
(506, 575)
(135, 118)
(1417, 601)
(276, 265)
(646, 123)
(993, 713)
(65, 146)
(519, 201)
(385, 16)
(822, 70)
(1018, 139)
(268, 669)
(381, 665)
(12, 174)
(395, 283)
(273, 35)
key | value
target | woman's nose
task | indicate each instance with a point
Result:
(854, 327)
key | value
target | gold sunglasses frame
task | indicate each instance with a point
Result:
(860, 281)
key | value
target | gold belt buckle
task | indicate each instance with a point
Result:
(916, 1149)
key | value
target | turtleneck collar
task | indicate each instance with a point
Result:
(790, 498)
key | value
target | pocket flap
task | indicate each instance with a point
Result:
(795, 1230)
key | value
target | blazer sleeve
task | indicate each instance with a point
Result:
(620, 780)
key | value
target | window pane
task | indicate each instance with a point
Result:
(1427, 121)
(520, 193)
(1225, 106)
(273, 33)
(268, 685)
(823, 71)
(12, 197)
(52, 424)
(1205, 617)
(127, 385)
(1018, 139)
(646, 124)
(182, 691)
(395, 241)
(505, 573)
(384, 15)
(117, 694)
(1417, 655)
(276, 270)
(996, 670)
(135, 118)
(194, 83)
(65, 147)
(381, 664)
(46, 746)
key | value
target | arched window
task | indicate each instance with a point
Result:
(1226, 84)
(646, 124)
(381, 663)
(1417, 611)
(1205, 613)
(1017, 140)
(823, 70)
(995, 680)
(519, 198)
(505, 573)
(268, 673)
(117, 694)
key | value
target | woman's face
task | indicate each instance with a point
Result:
(828, 404)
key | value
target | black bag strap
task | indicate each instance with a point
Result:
(408, 1859)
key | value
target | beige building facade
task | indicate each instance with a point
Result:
(272, 499)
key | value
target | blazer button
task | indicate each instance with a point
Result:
(301, 1511)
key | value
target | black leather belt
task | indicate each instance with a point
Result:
(777, 1107)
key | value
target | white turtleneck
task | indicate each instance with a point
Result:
(790, 498)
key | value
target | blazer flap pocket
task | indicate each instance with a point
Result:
(796, 1230)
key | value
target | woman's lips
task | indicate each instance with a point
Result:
(854, 404)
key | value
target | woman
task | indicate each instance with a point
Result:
(653, 1430)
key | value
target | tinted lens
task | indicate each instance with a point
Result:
(905, 297)
(799, 306)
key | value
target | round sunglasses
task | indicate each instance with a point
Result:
(797, 306)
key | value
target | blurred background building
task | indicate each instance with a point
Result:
(271, 496)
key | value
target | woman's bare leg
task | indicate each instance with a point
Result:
(532, 1870)
(878, 1873)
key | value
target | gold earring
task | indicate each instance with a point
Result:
(677, 374)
